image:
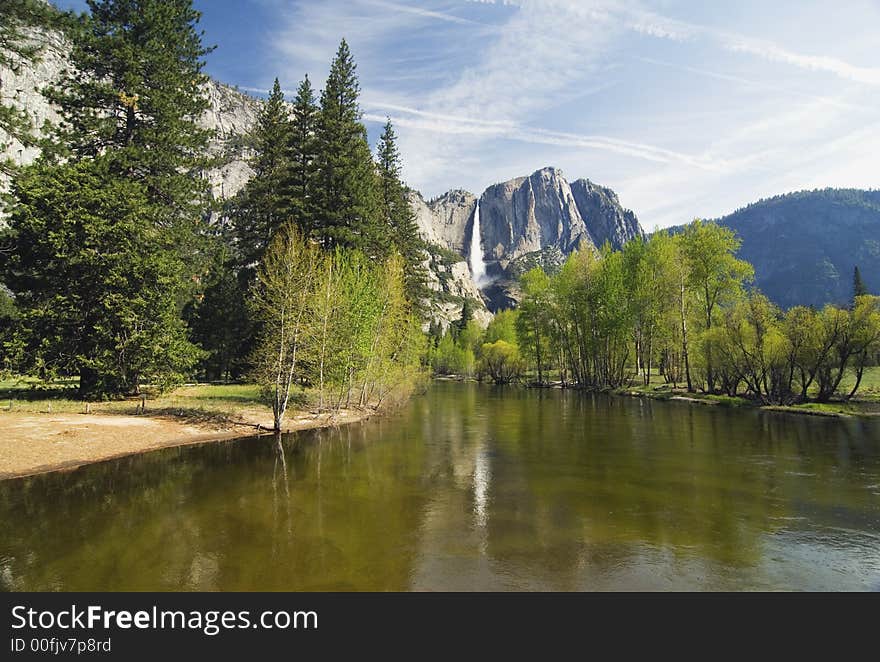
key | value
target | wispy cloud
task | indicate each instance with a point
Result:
(683, 118)
(661, 26)
(657, 25)
(760, 84)
(770, 51)
(458, 125)
(419, 11)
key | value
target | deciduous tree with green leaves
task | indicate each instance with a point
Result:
(715, 275)
(534, 323)
(284, 294)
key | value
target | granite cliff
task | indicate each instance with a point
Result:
(522, 221)
(231, 114)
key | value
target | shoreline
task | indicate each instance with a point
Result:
(742, 403)
(71, 441)
(42, 442)
(857, 408)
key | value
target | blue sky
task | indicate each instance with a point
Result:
(685, 108)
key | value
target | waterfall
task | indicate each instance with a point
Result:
(478, 267)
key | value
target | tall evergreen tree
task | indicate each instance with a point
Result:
(467, 314)
(347, 212)
(859, 287)
(258, 210)
(134, 93)
(105, 231)
(398, 217)
(299, 184)
(219, 320)
(94, 284)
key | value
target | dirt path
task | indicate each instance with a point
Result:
(38, 443)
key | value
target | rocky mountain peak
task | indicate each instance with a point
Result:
(527, 214)
(522, 219)
(604, 217)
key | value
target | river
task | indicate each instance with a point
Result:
(471, 487)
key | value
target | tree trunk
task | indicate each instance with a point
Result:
(860, 370)
(684, 343)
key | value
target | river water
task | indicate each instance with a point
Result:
(471, 488)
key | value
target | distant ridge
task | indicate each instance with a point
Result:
(805, 245)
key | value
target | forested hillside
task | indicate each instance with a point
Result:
(805, 246)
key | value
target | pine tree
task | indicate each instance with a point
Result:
(219, 320)
(467, 314)
(258, 210)
(134, 94)
(347, 212)
(399, 219)
(96, 292)
(105, 232)
(859, 287)
(298, 187)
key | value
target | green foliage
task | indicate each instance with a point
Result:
(471, 337)
(859, 287)
(449, 358)
(501, 361)
(443, 255)
(109, 242)
(679, 303)
(299, 184)
(103, 233)
(715, 276)
(347, 192)
(134, 94)
(96, 283)
(398, 217)
(502, 327)
(219, 320)
(534, 324)
(8, 322)
(335, 319)
(259, 209)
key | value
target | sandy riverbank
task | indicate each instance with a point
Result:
(33, 443)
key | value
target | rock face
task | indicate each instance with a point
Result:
(528, 214)
(446, 220)
(449, 278)
(539, 219)
(603, 216)
(526, 217)
(231, 114)
(20, 87)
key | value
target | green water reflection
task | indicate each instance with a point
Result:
(471, 488)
